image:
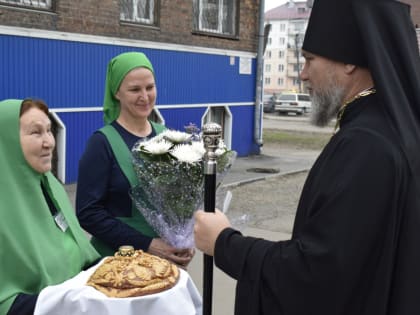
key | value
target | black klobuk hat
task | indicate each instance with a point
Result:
(333, 33)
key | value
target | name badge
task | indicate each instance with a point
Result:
(61, 222)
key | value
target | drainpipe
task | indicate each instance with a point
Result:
(259, 80)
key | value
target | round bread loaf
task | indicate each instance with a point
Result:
(133, 275)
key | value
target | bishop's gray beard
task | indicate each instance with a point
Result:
(325, 104)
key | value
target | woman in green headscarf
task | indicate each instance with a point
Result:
(106, 174)
(41, 242)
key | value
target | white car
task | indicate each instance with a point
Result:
(298, 103)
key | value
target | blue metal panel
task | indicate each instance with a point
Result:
(69, 74)
(79, 127)
(177, 119)
(243, 130)
(199, 78)
(72, 74)
(63, 73)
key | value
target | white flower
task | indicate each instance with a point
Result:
(186, 153)
(156, 147)
(175, 136)
(158, 137)
(219, 152)
(221, 144)
(198, 146)
(221, 148)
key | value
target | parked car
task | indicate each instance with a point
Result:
(269, 102)
(298, 103)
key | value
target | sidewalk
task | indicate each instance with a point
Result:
(273, 161)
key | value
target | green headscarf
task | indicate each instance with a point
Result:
(117, 69)
(34, 252)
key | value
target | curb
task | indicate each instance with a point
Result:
(264, 177)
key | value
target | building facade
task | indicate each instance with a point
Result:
(204, 54)
(283, 59)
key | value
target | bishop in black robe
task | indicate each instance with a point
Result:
(354, 248)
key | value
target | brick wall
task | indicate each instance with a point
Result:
(102, 17)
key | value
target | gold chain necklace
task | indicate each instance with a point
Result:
(343, 107)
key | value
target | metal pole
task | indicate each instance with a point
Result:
(212, 133)
(259, 79)
(297, 61)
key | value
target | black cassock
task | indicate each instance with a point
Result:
(355, 247)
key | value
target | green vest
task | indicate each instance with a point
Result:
(124, 159)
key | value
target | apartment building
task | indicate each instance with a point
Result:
(282, 59)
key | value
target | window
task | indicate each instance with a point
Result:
(280, 81)
(138, 11)
(281, 54)
(299, 26)
(268, 54)
(282, 40)
(304, 97)
(287, 97)
(281, 68)
(267, 80)
(282, 27)
(216, 16)
(41, 4)
(268, 68)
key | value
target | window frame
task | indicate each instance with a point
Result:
(288, 97)
(282, 41)
(282, 27)
(27, 4)
(197, 20)
(304, 98)
(154, 12)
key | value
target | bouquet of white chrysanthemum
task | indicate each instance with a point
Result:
(169, 169)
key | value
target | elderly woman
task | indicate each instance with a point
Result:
(41, 242)
(103, 203)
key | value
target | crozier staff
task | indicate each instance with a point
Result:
(354, 247)
(211, 137)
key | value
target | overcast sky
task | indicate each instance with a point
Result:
(271, 4)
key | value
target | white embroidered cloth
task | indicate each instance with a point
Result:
(75, 297)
